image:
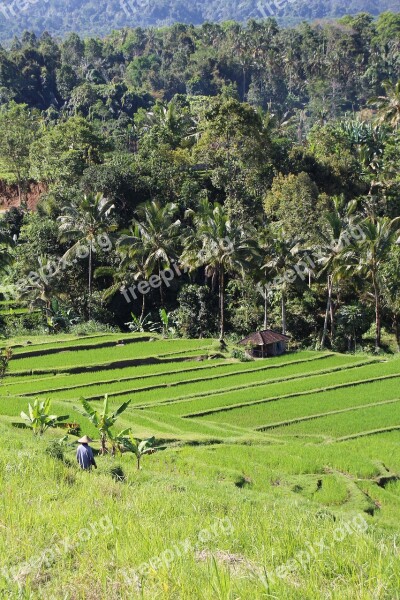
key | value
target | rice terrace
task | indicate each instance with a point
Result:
(200, 300)
(278, 477)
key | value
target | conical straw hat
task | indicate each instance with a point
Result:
(85, 440)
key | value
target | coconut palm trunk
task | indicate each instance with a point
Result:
(283, 309)
(377, 313)
(397, 331)
(143, 306)
(222, 301)
(161, 285)
(327, 312)
(90, 280)
(265, 309)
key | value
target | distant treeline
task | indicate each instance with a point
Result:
(90, 17)
(323, 70)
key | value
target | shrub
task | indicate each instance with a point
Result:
(197, 315)
(55, 450)
(92, 327)
(117, 473)
(241, 355)
(19, 325)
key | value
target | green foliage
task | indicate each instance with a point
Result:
(103, 421)
(187, 134)
(140, 449)
(196, 315)
(39, 418)
(19, 126)
(241, 355)
(109, 15)
(5, 357)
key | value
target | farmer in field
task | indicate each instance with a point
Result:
(84, 454)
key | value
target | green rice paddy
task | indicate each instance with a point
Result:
(289, 448)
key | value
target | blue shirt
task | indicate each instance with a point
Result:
(84, 456)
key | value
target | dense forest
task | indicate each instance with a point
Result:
(206, 180)
(88, 17)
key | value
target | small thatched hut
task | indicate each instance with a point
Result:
(262, 344)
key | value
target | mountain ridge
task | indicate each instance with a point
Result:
(100, 17)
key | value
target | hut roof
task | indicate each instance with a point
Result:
(264, 338)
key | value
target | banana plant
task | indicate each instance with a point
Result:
(5, 357)
(39, 418)
(103, 421)
(142, 448)
(118, 440)
(166, 329)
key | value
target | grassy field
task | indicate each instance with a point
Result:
(280, 478)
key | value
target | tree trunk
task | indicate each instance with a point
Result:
(283, 307)
(138, 462)
(265, 309)
(332, 314)
(221, 302)
(143, 306)
(103, 444)
(327, 312)
(377, 314)
(161, 290)
(397, 331)
(90, 279)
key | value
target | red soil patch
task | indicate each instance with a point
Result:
(9, 195)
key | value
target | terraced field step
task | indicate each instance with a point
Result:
(324, 414)
(231, 407)
(74, 357)
(239, 373)
(65, 341)
(308, 405)
(66, 388)
(340, 426)
(194, 367)
(154, 359)
(81, 347)
(218, 391)
(355, 436)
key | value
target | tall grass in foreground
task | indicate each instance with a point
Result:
(161, 510)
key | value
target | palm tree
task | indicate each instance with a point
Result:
(154, 239)
(283, 256)
(391, 289)
(265, 245)
(332, 253)
(388, 106)
(130, 267)
(84, 222)
(40, 291)
(369, 258)
(219, 245)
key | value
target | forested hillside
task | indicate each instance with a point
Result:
(89, 17)
(260, 164)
